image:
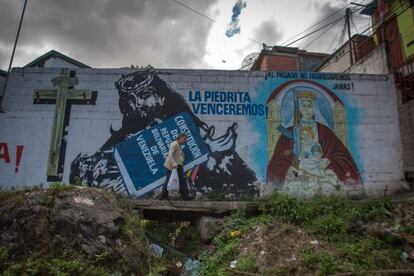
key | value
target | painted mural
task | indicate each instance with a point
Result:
(5, 155)
(151, 113)
(307, 142)
(303, 133)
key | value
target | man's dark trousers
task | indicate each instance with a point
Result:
(183, 184)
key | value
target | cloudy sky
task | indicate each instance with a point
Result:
(163, 33)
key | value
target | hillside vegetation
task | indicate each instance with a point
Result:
(68, 230)
(322, 236)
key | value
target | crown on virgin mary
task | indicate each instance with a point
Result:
(306, 94)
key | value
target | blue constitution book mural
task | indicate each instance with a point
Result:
(141, 158)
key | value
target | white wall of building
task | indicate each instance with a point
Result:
(374, 63)
(369, 100)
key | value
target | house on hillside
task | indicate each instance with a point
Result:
(55, 59)
(357, 55)
(51, 59)
(389, 50)
(279, 58)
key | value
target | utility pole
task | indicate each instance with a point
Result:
(348, 14)
(12, 56)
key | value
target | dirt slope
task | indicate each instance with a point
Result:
(69, 231)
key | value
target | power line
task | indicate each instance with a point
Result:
(210, 19)
(369, 27)
(343, 34)
(376, 24)
(333, 22)
(317, 30)
(314, 25)
(353, 24)
(379, 21)
(195, 11)
(255, 41)
(333, 40)
(321, 34)
(320, 21)
(361, 17)
(341, 38)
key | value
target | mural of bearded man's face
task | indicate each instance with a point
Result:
(143, 104)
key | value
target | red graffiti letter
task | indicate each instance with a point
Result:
(4, 152)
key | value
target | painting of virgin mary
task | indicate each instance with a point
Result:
(308, 155)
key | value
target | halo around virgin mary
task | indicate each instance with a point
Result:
(306, 157)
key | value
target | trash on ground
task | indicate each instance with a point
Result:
(156, 250)
(191, 267)
(235, 234)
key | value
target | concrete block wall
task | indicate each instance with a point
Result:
(340, 62)
(374, 63)
(235, 159)
(279, 62)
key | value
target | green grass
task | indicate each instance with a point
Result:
(161, 232)
(325, 262)
(35, 265)
(60, 186)
(358, 255)
(247, 264)
(224, 247)
(408, 229)
(334, 220)
(328, 216)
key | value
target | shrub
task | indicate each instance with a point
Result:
(326, 262)
(288, 208)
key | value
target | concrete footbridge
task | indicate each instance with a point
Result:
(190, 210)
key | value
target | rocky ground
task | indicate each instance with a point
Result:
(70, 231)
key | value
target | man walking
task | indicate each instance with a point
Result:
(175, 160)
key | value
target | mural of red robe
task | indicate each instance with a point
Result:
(308, 157)
(341, 161)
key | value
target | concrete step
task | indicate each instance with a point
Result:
(189, 210)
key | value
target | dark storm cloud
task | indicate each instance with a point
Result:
(330, 39)
(108, 33)
(269, 32)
